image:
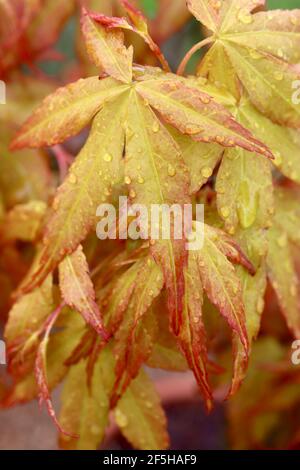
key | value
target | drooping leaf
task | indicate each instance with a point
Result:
(134, 339)
(78, 291)
(26, 319)
(41, 367)
(140, 408)
(280, 260)
(165, 351)
(192, 336)
(85, 411)
(255, 244)
(220, 280)
(155, 181)
(60, 347)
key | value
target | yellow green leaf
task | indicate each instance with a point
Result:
(66, 112)
(88, 184)
(245, 190)
(106, 49)
(140, 408)
(85, 411)
(78, 291)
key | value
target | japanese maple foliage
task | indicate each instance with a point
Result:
(94, 313)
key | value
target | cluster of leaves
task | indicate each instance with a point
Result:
(95, 313)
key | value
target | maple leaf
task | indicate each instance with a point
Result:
(59, 349)
(140, 406)
(255, 244)
(261, 49)
(134, 338)
(78, 290)
(245, 190)
(138, 24)
(282, 141)
(281, 269)
(165, 352)
(41, 367)
(192, 335)
(85, 411)
(26, 320)
(147, 139)
(209, 269)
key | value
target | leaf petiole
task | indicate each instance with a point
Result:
(191, 52)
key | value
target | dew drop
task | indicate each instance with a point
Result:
(225, 212)
(73, 178)
(121, 418)
(95, 430)
(132, 194)
(247, 205)
(220, 139)
(192, 129)
(155, 127)
(205, 99)
(293, 290)
(278, 159)
(260, 305)
(280, 53)
(294, 20)
(255, 54)
(278, 76)
(282, 241)
(55, 204)
(107, 158)
(171, 171)
(244, 16)
(127, 180)
(206, 172)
